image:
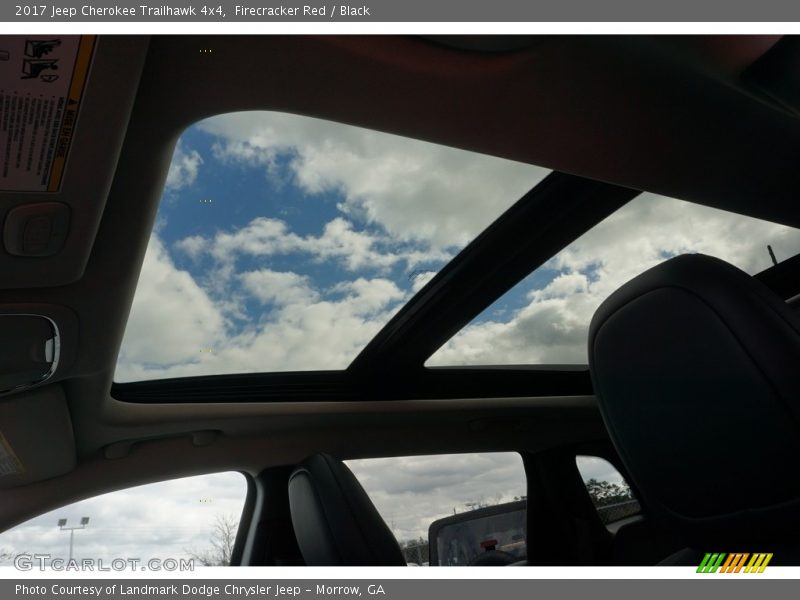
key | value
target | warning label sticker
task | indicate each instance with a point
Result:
(42, 79)
(9, 463)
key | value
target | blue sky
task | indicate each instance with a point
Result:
(285, 243)
(227, 195)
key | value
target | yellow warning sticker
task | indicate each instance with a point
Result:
(42, 80)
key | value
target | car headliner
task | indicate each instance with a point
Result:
(708, 119)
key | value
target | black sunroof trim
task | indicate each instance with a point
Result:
(338, 386)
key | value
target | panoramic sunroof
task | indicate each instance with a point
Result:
(545, 318)
(285, 243)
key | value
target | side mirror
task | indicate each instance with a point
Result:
(495, 535)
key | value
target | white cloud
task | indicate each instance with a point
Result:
(183, 169)
(354, 248)
(562, 286)
(414, 190)
(193, 246)
(339, 241)
(279, 288)
(172, 318)
(367, 296)
(261, 237)
(312, 334)
(178, 328)
(420, 279)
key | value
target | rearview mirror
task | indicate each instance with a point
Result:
(494, 535)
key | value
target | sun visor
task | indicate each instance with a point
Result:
(66, 103)
(36, 437)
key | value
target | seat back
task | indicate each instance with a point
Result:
(695, 366)
(334, 520)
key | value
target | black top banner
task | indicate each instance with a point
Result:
(458, 11)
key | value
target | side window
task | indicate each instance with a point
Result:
(610, 493)
(182, 522)
(455, 509)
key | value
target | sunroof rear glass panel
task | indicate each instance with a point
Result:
(545, 318)
(284, 243)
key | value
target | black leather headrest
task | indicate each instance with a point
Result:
(334, 520)
(696, 366)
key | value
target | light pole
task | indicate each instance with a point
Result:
(62, 524)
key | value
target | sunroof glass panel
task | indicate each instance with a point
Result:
(285, 243)
(545, 318)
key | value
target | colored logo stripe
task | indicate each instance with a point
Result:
(758, 563)
(733, 563)
(711, 563)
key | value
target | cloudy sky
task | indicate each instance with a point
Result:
(422, 489)
(285, 243)
(171, 519)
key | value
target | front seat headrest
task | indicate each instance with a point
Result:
(696, 366)
(334, 520)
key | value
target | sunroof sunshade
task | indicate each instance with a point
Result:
(285, 243)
